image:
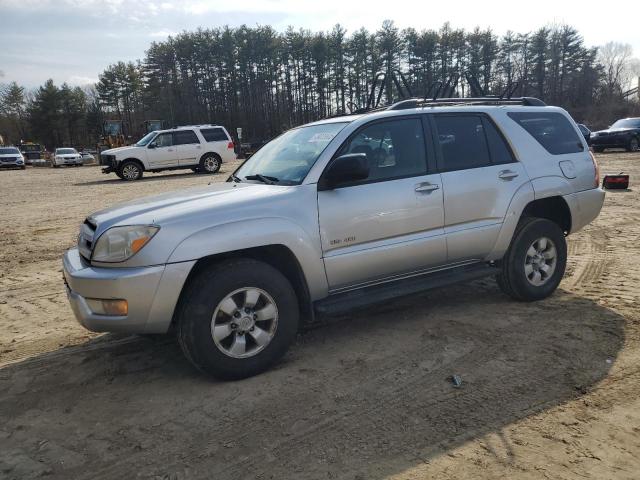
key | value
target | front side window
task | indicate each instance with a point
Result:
(214, 135)
(394, 148)
(288, 158)
(463, 142)
(164, 140)
(552, 130)
(185, 137)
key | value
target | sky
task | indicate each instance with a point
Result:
(73, 41)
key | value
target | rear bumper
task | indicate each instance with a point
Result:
(585, 206)
(151, 293)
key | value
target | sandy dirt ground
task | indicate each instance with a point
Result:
(550, 389)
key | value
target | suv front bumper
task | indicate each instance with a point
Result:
(151, 293)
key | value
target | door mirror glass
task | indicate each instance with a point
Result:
(349, 168)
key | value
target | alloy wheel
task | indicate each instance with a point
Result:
(540, 261)
(244, 322)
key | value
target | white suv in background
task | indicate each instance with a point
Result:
(199, 147)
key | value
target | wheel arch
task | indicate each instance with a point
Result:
(554, 208)
(212, 153)
(278, 256)
(134, 159)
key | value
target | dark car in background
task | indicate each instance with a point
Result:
(624, 133)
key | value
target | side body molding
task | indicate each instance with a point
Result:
(258, 232)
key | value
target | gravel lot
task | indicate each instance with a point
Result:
(550, 389)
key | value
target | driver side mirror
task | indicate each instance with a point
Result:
(152, 145)
(349, 168)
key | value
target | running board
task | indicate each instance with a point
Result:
(340, 303)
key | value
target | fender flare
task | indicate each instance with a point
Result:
(254, 233)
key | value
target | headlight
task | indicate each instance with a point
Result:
(121, 243)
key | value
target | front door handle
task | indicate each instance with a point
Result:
(427, 187)
(507, 174)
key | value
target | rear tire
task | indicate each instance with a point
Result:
(230, 333)
(210, 163)
(535, 262)
(130, 171)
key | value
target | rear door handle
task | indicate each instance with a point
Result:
(507, 174)
(427, 187)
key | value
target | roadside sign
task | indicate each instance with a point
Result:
(239, 132)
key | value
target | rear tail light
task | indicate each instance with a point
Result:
(596, 169)
(231, 146)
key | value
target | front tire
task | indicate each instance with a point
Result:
(535, 262)
(210, 163)
(634, 145)
(130, 171)
(237, 318)
(598, 149)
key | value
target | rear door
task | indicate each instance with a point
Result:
(161, 152)
(392, 223)
(480, 176)
(188, 146)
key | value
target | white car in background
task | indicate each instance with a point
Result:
(66, 156)
(201, 148)
(10, 157)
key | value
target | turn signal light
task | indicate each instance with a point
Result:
(114, 308)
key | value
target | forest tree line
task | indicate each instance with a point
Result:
(267, 81)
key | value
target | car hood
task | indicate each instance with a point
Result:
(120, 150)
(200, 204)
(10, 155)
(615, 130)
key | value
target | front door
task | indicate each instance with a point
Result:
(163, 153)
(390, 224)
(480, 176)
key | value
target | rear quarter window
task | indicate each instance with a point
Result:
(552, 130)
(214, 135)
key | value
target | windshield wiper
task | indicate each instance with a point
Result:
(262, 178)
(235, 178)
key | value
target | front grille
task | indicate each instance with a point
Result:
(109, 160)
(8, 159)
(85, 238)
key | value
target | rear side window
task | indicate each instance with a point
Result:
(500, 151)
(552, 130)
(185, 137)
(214, 135)
(462, 142)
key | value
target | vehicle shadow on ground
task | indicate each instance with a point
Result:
(112, 179)
(365, 396)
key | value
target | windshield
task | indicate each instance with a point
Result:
(146, 139)
(288, 158)
(8, 151)
(65, 151)
(30, 148)
(627, 123)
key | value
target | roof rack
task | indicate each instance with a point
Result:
(469, 101)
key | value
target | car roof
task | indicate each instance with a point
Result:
(187, 127)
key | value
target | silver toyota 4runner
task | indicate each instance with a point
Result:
(337, 214)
